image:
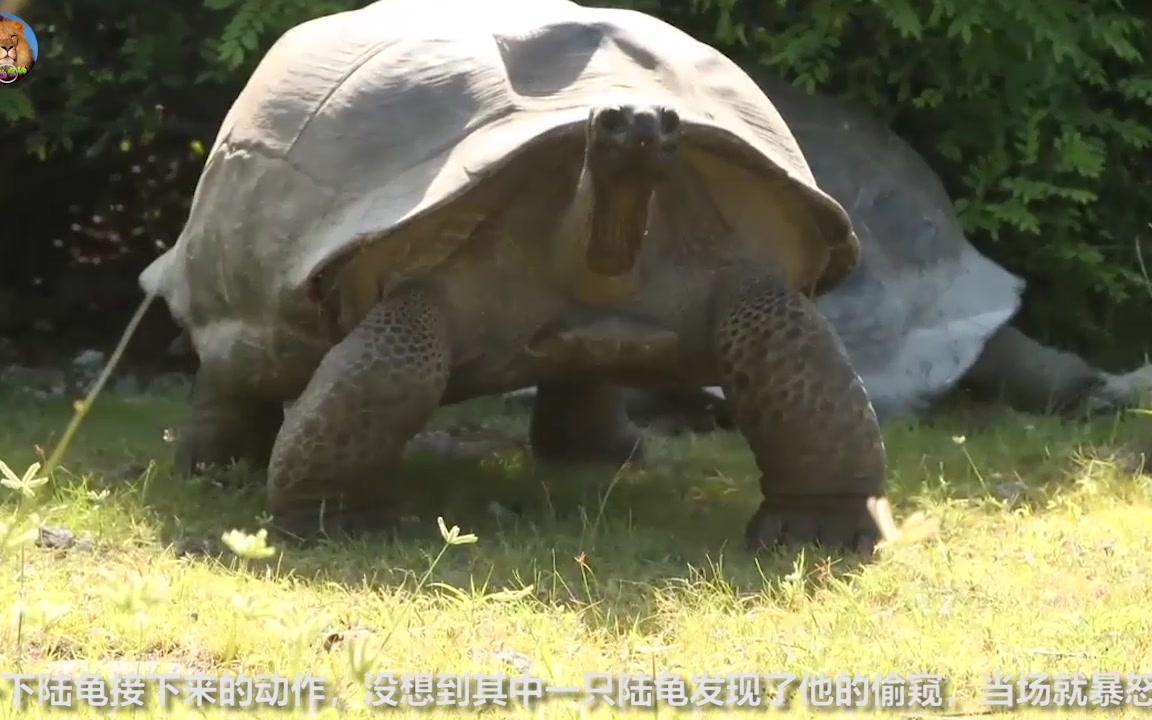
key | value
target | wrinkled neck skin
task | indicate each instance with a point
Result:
(599, 237)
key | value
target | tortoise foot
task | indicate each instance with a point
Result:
(834, 522)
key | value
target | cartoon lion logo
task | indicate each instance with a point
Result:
(17, 53)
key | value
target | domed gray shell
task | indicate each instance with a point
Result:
(355, 124)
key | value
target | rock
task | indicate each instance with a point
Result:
(59, 538)
(191, 547)
(56, 538)
(89, 360)
(44, 383)
(441, 444)
(1014, 491)
(432, 442)
(86, 367)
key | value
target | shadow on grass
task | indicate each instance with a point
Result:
(612, 545)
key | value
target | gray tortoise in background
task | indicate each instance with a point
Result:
(426, 201)
(924, 311)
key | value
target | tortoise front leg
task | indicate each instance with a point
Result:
(805, 413)
(226, 426)
(335, 460)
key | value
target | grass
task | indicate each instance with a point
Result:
(1033, 554)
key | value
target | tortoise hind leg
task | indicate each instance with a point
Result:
(805, 413)
(335, 460)
(226, 427)
(577, 421)
(1031, 377)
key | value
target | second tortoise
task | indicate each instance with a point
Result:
(924, 312)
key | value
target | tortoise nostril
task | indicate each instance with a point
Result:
(612, 120)
(669, 120)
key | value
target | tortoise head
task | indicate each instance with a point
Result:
(630, 149)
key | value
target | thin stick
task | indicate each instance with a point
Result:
(83, 406)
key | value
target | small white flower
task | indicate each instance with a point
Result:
(452, 535)
(249, 547)
(26, 485)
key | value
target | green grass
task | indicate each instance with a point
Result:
(1032, 553)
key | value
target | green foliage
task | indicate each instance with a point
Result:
(253, 24)
(1036, 113)
(15, 105)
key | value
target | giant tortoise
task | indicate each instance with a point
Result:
(924, 311)
(425, 201)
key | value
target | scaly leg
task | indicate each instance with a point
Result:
(583, 421)
(335, 460)
(1032, 377)
(806, 415)
(226, 427)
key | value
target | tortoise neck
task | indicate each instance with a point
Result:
(601, 235)
(618, 225)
